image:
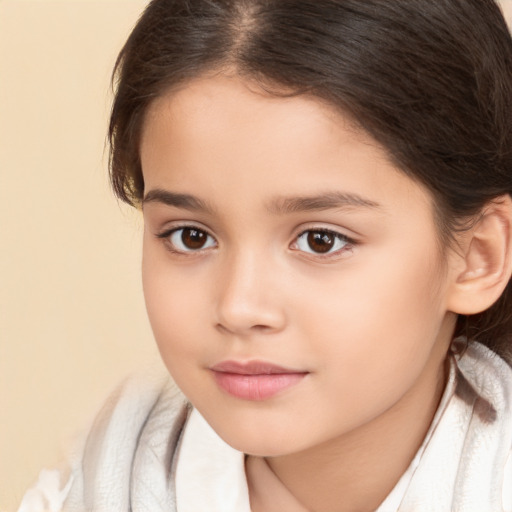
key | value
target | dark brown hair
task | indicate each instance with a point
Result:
(431, 80)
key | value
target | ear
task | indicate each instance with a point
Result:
(483, 269)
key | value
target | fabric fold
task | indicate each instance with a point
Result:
(149, 450)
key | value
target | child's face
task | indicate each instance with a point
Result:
(276, 232)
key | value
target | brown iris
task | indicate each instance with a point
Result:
(193, 238)
(321, 241)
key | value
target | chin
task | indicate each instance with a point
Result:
(262, 442)
(260, 449)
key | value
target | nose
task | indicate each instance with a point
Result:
(248, 296)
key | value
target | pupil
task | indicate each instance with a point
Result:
(193, 238)
(320, 242)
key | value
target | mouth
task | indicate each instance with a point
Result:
(255, 380)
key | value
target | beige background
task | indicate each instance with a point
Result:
(72, 319)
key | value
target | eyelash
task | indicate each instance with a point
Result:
(166, 236)
(349, 243)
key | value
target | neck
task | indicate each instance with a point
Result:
(356, 471)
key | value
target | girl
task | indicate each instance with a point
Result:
(325, 187)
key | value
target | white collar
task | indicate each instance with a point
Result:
(210, 474)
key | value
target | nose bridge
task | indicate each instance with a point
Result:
(247, 293)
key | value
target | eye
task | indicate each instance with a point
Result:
(188, 239)
(321, 242)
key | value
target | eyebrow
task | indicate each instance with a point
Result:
(185, 201)
(278, 205)
(319, 202)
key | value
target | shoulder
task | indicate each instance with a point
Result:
(491, 378)
(127, 410)
(486, 368)
(142, 419)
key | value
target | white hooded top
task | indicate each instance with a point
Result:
(149, 449)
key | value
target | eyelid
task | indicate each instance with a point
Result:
(175, 225)
(350, 241)
(166, 233)
(327, 228)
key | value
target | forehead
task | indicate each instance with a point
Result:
(221, 131)
(203, 106)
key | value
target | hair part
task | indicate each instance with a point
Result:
(430, 81)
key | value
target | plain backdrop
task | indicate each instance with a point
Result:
(72, 318)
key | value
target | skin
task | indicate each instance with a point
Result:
(368, 322)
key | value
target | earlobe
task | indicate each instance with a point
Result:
(485, 267)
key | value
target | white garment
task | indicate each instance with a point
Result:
(149, 450)
(203, 453)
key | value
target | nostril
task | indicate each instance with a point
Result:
(261, 327)
(258, 328)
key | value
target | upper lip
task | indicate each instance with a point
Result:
(252, 368)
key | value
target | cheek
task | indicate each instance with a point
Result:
(377, 318)
(172, 305)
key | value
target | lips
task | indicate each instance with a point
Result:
(254, 380)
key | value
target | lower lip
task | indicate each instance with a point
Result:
(256, 387)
